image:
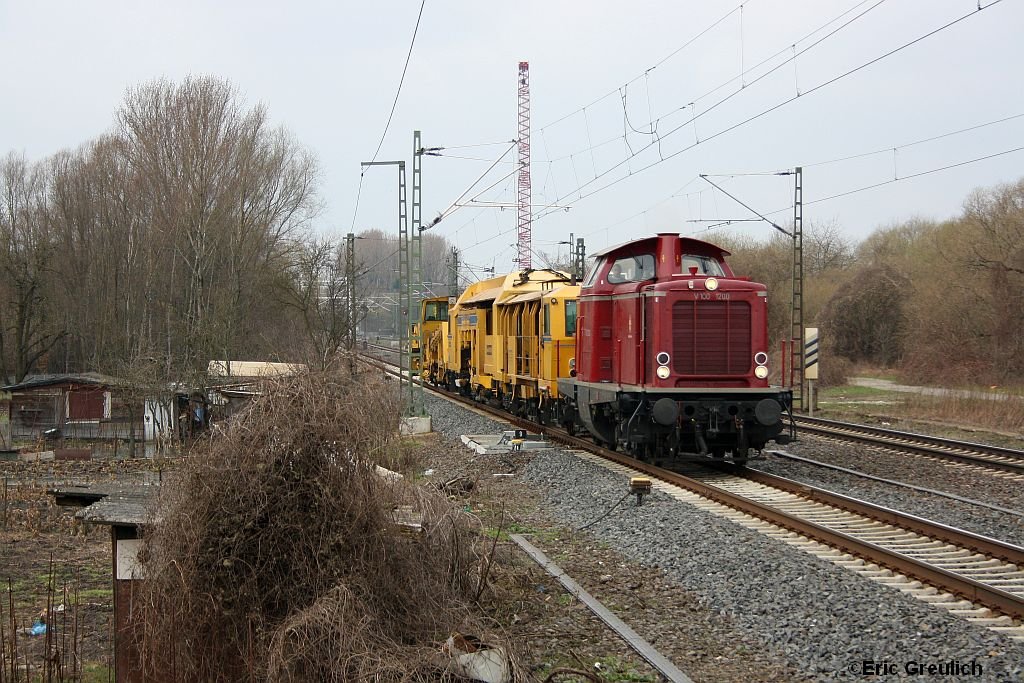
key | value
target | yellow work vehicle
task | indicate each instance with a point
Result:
(496, 348)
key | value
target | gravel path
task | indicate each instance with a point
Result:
(823, 619)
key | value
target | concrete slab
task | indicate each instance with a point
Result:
(415, 425)
(506, 442)
(36, 456)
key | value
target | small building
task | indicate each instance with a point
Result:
(126, 510)
(234, 384)
(5, 421)
(86, 406)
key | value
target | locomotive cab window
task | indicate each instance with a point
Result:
(632, 269)
(547, 321)
(705, 265)
(435, 311)
(570, 318)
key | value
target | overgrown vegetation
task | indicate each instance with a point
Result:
(182, 234)
(942, 302)
(277, 555)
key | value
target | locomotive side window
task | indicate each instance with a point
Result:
(632, 269)
(570, 318)
(705, 265)
(591, 277)
(547, 321)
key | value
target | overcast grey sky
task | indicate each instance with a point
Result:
(603, 118)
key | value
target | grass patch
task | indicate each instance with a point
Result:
(613, 669)
(96, 673)
(95, 594)
(848, 391)
(510, 528)
(1003, 416)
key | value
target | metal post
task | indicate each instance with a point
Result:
(404, 287)
(580, 260)
(350, 289)
(798, 288)
(453, 273)
(416, 274)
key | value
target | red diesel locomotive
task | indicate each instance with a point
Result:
(672, 355)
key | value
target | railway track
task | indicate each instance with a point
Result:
(964, 452)
(978, 578)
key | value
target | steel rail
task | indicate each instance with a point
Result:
(982, 455)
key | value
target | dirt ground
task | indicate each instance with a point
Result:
(48, 558)
(555, 630)
(550, 630)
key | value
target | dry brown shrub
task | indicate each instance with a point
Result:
(276, 556)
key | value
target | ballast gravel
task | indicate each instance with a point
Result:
(991, 487)
(827, 621)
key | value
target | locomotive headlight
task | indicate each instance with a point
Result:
(662, 358)
(664, 372)
(761, 358)
(760, 372)
(711, 284)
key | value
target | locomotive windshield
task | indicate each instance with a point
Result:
(705, 265)
(632, 269)
(435, 311)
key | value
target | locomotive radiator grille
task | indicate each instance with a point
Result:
(711, 337)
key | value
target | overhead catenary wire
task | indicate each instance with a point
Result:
(652, 122)
(394, 105)
(910, 176)
(454, 206)
(708, 110)
(648, 70)
(580, 195)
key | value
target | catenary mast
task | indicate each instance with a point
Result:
(524, 259)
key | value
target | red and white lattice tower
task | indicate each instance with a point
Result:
(523, 183)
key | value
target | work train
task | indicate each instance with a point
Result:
(661, 351)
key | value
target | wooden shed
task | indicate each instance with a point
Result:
(73, 406)
(125, 509)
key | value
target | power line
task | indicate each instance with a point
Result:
(454, 206)
(912, 175)
(758, 115)
(401, 81)
(648, 70)
(714, 106)
(916, 142)
(653, 122)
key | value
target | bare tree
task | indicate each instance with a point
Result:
(25, 251)
(826, 248)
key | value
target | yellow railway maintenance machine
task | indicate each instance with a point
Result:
(509, 339)
(540, 346)
(428, 335)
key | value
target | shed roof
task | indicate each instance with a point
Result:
(245, 368)
(113, 504)
(35, 381)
